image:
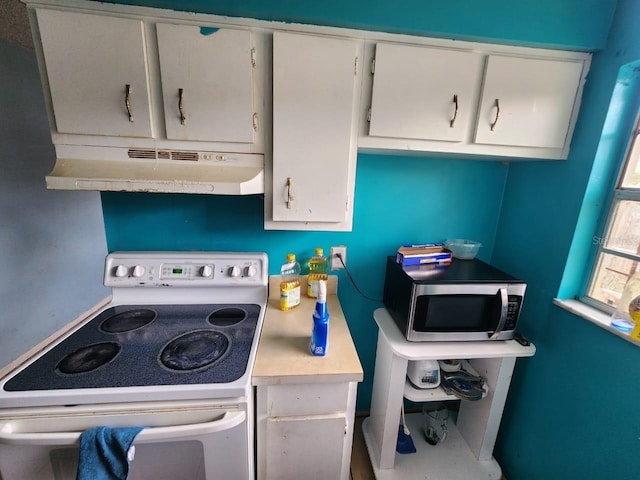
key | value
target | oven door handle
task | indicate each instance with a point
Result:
(149, 435)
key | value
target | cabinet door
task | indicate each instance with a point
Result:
(527, 101)
(305, 447)
(424, 93)
(207, 83)
(97, 73)
(314, 96)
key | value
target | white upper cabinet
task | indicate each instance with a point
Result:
(527, 101)
(424, 93)
(315, 94)
(207, 83)
(97, 73)
(153, 101)
(471, 99)
(125, 77)
(146, 99)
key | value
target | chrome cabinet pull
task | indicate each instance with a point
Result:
(289, 198)
(497, 105)
(183, 119)
(127, 101)
(455, 112)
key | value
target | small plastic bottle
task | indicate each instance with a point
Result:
(621, 318)
(320, 334)
(290, 283)
(634, 313)
(317, 272)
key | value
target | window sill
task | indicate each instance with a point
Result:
(594, 316)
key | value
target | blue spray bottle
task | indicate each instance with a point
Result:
(320, 334)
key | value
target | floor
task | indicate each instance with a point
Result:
(360, 464)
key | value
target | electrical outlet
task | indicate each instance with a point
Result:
(336, 264)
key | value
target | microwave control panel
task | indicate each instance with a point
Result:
(513, 312)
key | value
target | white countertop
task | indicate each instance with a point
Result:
(283, 352)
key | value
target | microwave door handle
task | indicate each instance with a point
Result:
(504, 310)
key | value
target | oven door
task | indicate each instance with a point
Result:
(197, 442)
(461, 312)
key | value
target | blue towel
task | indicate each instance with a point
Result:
(103, 453)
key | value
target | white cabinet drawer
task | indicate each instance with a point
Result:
(308, 399)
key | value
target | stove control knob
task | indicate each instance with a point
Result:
(138, 271)
(121, 271)
(250, 271)
(234, 271)
(206, 271)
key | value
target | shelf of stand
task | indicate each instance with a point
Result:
(432, 394)
(468, 451)
(425, 394)
(451, 459)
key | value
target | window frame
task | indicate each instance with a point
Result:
(617, 194)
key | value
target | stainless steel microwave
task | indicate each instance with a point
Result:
(466, 300)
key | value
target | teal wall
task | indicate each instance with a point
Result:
(572, 410)
(524, 213)
(571, 24)
(398, 200)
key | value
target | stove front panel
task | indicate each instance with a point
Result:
(131, 345)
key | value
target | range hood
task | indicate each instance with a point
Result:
(156, 170)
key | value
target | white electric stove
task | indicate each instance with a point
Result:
(172, 350)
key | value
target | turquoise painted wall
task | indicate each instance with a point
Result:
(573, 408)
(408, 199)
(571, 24)
(398, 200)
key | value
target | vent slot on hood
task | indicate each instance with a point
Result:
(149, 153)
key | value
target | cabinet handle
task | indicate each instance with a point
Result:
(455, 112)
(289, 197)
(497, 105)
(127, 101)
(183, 119)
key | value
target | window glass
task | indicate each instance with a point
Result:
(611, 275)
(631, 175)
(618, 248)
(624, 229)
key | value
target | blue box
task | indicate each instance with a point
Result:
(423, 254)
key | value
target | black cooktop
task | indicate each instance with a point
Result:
(146, 345)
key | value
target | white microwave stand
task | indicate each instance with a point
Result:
(468, 450)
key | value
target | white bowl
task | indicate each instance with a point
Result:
(462, 248)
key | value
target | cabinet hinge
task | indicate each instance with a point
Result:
(253, 57)
(373, 66)
(355, 66)
(369, 114)
(255, 121)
